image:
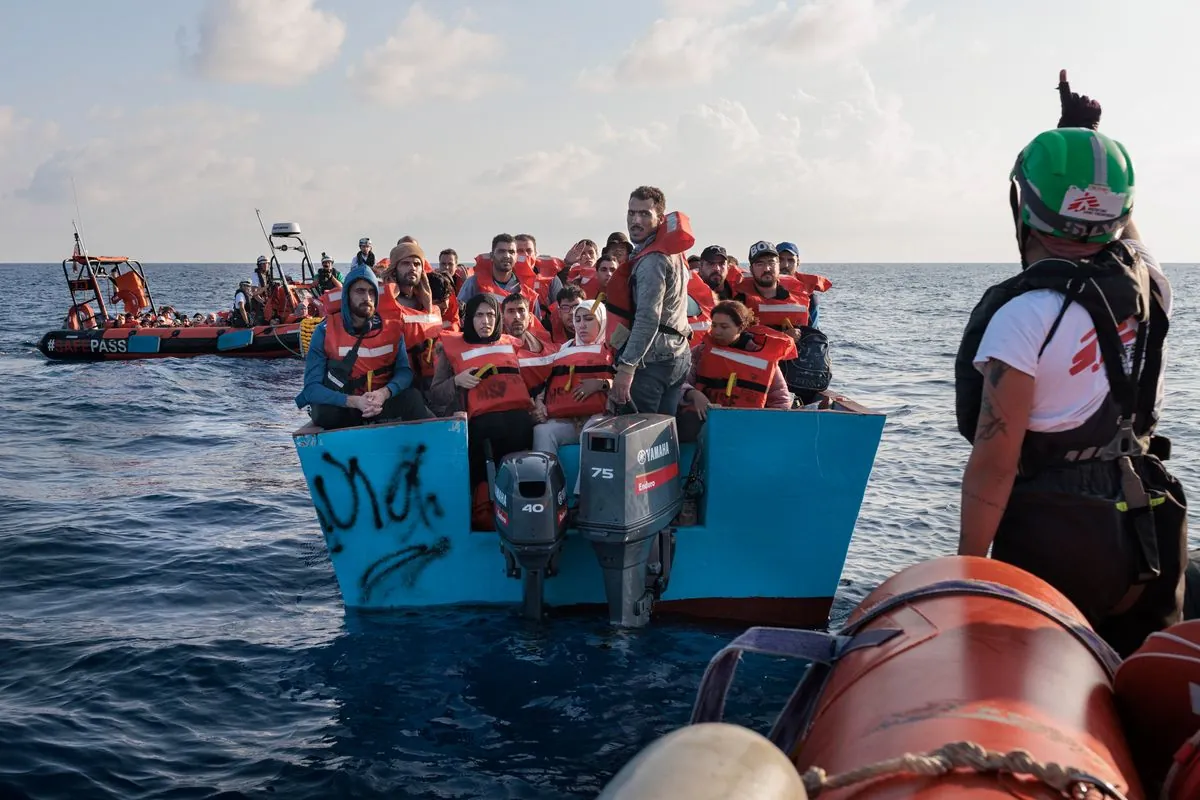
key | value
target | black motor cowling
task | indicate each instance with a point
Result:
(531, 517)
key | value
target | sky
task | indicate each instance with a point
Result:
(862, 130)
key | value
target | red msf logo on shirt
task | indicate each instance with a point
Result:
(1088, 356)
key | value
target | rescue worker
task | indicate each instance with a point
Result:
(365, 256)
(1059, 382)
(328, 278)
(655, 357)
(243, 315)
(478, 372)
(357, 368)
(737, 366)
(262, 273)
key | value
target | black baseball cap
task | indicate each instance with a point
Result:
(713, 252)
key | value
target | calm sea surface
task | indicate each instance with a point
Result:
(171, 627)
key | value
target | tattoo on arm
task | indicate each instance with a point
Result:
(991, 424)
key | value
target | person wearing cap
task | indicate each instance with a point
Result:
(262, 273)
(328, 278)
(365, 255)
(618, 246)
(693, 262)
(1059, 388)
(714, 269)
(654, 359)
(243, 307)
(357, 367)
(789, 264)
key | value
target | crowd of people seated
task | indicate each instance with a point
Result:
(535, 348)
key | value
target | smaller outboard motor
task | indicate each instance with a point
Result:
(629, 493)
(530, 497)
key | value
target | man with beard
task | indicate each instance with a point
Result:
(357, 368)
(714, 269)
(328, 278)
(654, 359)
(495, 275)
(365, 255)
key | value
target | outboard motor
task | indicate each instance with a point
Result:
(531, 517)
(629, 493)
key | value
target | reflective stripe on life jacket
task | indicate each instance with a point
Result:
(568, 367)
(375, 361)
(535, 367)
(501, 387)
(781, 313)
(740, 378)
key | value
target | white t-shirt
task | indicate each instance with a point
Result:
(1070, 382)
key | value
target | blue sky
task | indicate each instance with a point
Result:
(864, 130)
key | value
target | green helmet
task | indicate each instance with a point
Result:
(1075, 183)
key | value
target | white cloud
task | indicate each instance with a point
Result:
(426, 58)
(546, 171)
(702, 8)
(274, 42)
(698, 44)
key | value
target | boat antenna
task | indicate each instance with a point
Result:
(77, 224)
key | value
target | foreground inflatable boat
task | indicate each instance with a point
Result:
(957, 678)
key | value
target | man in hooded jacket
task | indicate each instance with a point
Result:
(357, 368)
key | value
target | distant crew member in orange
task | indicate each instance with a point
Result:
(737, 367)
(478, 372)
(131, 290)
(356, 369)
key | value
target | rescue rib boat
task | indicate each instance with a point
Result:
(766, 545)
(95, 282)
(959, 677)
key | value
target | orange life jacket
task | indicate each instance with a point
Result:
(672, 237)
(568, 367)
(421, 330)
(706, 299)
(558, 332)
(501, 387)
(375, 360)
(485, 282)
(131, 290)
(535, 367)
(740, 378)
(809, 283)
(781, 313)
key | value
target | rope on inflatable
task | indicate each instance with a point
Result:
(307, 326)
(1070, 782)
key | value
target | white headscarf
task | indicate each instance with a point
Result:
(585, 307)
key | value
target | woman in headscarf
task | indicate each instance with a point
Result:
(478, 372)
(576, 393)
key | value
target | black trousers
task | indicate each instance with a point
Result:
(508, 431)
(407, 406)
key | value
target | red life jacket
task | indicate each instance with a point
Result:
(672, 237)
(739, 378)
(585, 278)
(485, 282)
(706, 299)
(806, 282)
(421, 329)
(780, 313)
(501, 387)
(535, 367)
(450, 318)
(375, 362)
(568, 367)
(558, 332)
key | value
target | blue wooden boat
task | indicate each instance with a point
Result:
(781, 491)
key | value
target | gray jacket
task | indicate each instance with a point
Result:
(660, 296)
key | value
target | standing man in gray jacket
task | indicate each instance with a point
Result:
(655, 359)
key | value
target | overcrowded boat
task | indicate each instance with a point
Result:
(280, 311)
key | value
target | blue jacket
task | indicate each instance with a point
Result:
(316, 364)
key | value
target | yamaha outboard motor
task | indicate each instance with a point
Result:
(629, 493)
(531, 517)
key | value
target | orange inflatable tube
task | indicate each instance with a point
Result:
(968, 668)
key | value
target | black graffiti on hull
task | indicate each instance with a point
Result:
(407, 563)
(417, 505)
